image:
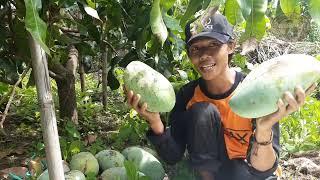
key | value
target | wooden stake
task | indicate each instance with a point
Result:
(47, 112)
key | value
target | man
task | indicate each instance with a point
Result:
(220, 144)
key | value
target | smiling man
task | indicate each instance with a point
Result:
(221, 145)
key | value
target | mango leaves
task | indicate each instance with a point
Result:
(315, 10)
(194, 6)
(158, 27)
(34, 24)
(233, 12)
(291, 8)
(254, 14)
(92, 12)
(167, 4)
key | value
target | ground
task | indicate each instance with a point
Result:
(22, 136)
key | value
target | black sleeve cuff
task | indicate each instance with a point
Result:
(264, 174)
(165, 145)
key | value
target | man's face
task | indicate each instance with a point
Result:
(210, 57)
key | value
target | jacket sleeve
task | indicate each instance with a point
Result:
(171, 144)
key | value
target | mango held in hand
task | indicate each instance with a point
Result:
(260, 91)
(152, 86)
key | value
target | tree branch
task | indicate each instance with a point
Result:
(55, 76)
(69, 30)
(126, 13)
(110, 45)
(57, 71)
(4, 114)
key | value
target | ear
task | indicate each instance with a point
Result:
(231, 47)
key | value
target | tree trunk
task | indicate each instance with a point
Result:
(82, 77)
(47, 112)
(105, 76)
(65, 80)
(67, 98)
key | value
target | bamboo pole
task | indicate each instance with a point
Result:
(47, 112)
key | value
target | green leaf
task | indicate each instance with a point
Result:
(256, 22)
(290, 8)
(205, 4)
(315, 10)
(145, 36)
(233, 12)
(91, 4)
(40, 146)
(113, 82)
(8, 71)
(246, 7)
(75, 147)
(158, 27)
(34, 24)
(3, 88)
(172, 23)
(167, 4)
(92, 12)
(94, 32)
(131, 170)
(240, 61)
(21, 40)
(193, 6)
(72, 130)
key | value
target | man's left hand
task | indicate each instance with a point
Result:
(264, 124)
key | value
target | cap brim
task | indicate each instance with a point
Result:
(220, 37)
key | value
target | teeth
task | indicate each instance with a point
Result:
(207, 67)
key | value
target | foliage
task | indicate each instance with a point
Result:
(300, 131)
(124, 27)
(132, 172)
(131, 132)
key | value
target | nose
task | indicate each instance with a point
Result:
(204, 56)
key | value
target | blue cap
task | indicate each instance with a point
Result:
(216, 27)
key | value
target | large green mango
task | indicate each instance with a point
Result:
(259, 92)
(85, 162)
(153, 87)
(145, 162)
(109, 158)
(75, 175)
(117, 173)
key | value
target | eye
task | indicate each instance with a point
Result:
(194, 50)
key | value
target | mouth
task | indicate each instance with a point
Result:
(207, 67)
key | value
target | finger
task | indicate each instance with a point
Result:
(281, 107)
(144, 107)
(130, 97)
(292, 103)
(300, 95)
(135, 101)
(311, 89)
(279, 114)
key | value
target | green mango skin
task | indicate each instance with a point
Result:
(85, 162)
(116, 173)
(258, 94)
(75, 175)
(109, 158)
(145, 161)
(152, 86)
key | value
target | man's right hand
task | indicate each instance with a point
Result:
(152, 117)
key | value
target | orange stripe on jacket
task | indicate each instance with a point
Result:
(237, 130)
